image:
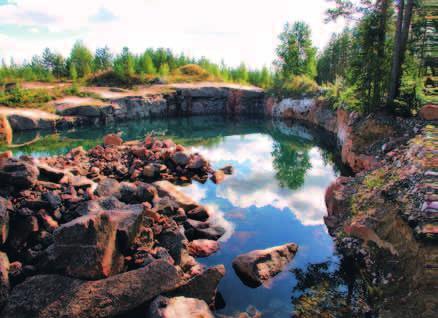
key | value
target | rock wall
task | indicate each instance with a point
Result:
(181, 102)
(338, 122)
(186, 101)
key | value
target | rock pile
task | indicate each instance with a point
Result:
(101, 232)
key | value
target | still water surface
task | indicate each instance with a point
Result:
(275, 196)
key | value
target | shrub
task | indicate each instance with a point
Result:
(34, 98)
(192, 70)
(111, 78)
(190, 73)
(295, 87)
(339, 95)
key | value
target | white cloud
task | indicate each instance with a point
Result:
(244, 30)
(260, 188)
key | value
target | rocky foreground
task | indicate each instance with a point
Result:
(104, 232)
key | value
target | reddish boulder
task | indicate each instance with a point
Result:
(5, 205)
(256, 267)
(112, 140)
(51, 296)
(429, 112)
(202, 248)
(18, 173)
(86, 247)
(202, 286)
(218, 176)
(165, 188)
(178, 307)
(4, 279)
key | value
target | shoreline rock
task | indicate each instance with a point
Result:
(259, 266)
(91, 235)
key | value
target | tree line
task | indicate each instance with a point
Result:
(378, 64)
(83, 64)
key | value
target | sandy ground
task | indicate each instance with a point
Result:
(108, 92)
(30, 113)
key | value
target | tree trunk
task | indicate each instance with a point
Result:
(405, 30)
(380, 53)
(396, 55)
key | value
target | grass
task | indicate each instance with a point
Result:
(39, 98)
(375, 180)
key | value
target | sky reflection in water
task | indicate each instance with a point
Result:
(261, 213)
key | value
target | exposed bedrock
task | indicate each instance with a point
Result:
(212, 99)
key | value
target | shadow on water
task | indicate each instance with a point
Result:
(276, 196)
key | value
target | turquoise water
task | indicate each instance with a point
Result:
(275, 196)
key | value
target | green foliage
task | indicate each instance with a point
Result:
(102, 59)
(295, 87)
(146, 65)
(295, 54)
(124, 64)
(34, 98)
(82, 59)
(128, 69)
(164, 69)
(340, 95)
(73, 72)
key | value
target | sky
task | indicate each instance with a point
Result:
(231, 30)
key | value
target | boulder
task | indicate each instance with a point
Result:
(128, 224)
(4, 279)
(202, 286)
(22, 225)
(228, 169)
(178, 307)
(18, 173)
(202, 248)
(256, 267)
(151, 170)
(218, 176)
(108, 187)
(202, 230)
(165, 188)
(199, 213)
(112, 140)
(429, 112)
(197, 163)
(174, 241)
(181, 158)
(5, 205)
(5, 130)
(51, 296)
(86, 247)
(50, 173)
